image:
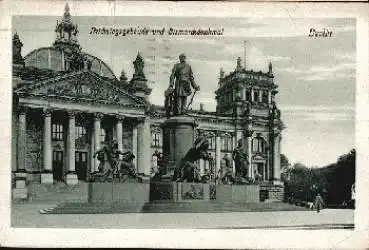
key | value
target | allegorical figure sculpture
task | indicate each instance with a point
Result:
(240, 159)
(181, 81)
(112, 166)
(226, 170)
(187, 169)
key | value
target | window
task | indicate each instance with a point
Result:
(81, 132)
(265, 97)
(248, 95)
(212, 142)
(226, 143)
(156, 139)
(57, 132)
(258, 145)
(81, 135)
(102, 135)
(256, 96)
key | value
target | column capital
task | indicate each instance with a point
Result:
(22, 110)
(72, 113)
(218, 133)
(98, 116)
(47, 112)
(249, 133)
(120, 118)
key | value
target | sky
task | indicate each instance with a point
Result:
(316, 76)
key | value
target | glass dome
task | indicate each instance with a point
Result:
(54, 59)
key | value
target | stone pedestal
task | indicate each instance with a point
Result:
(178, 138)
(238, 193)
(47, 178)
(179, 191)
(20, 190)
(72, 179)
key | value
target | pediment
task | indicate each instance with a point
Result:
(81, 85)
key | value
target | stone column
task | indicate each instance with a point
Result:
(202, 166)
(248, 136)
(143, 148)
(20, 190)
(72, 178)
(119, 132)
(22, 133)
(97, 132)
(217, 153)
(269, 97)
(252, 95)
(276, 159)
(260, 95)
(134, 145)
(47, 175)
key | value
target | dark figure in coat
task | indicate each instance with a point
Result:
(181, 79)
(319, 203)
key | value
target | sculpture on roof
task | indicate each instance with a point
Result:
(17, 49)
(270, 68)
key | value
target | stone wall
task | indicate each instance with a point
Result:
(33, 145)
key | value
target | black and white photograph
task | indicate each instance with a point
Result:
(201, 122)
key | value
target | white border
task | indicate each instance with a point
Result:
(188, 238)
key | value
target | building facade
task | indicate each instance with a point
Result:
(68, 103)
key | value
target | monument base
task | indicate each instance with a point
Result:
(179, 191)
(238, 193)
(178, 138)
(109, 193)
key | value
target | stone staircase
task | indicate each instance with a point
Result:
(216, 207)
(167, 207)
(58, 192)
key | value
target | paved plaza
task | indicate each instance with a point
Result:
(28, 215)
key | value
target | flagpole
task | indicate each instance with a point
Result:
(244, 50)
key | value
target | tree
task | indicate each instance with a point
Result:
(285, 165)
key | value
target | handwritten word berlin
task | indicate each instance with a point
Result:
(149, 31)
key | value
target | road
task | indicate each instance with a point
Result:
(27, 215)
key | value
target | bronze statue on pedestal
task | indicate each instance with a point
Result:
(181, 81)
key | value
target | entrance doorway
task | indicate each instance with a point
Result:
(81, 165)
(58, 161)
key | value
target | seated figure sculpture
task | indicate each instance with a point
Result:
(187, 170)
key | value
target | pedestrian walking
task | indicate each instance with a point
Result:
(319, 203)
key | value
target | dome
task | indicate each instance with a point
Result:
(55, 59)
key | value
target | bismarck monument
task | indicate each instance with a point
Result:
(179, 178)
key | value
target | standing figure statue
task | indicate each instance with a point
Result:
(181, 79)
(187, 170)
(240, 158)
